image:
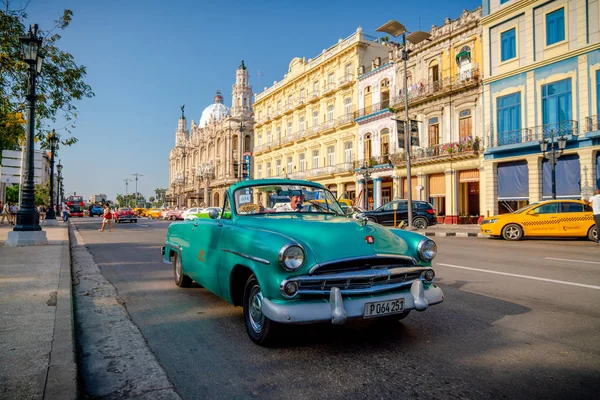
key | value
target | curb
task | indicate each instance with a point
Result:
(455, 234)
(61, 380)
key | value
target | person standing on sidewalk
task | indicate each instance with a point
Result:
(594, 201)
(5, 213)
(65, 212)
(107, 218)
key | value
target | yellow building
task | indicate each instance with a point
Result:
(305, 123)
(444, 94)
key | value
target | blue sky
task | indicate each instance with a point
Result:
(145, 58)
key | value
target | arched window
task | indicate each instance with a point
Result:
(367, 147)
(385, 142)
(347, 105)
(463, 59)
(368, 100)
(385, 93)
(247, 143)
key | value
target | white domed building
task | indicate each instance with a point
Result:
(208, 157)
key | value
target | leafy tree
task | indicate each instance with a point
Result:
(12, 193)
(151, 199)
(42, 194)
(60, 85)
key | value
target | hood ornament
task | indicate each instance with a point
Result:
(364, 221)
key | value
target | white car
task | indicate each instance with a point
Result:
(188, 214)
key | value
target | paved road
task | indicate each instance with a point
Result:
(520, 320)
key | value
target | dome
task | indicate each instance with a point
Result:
(218, 110)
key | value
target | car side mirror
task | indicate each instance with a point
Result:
(213, 214)
(531, 212)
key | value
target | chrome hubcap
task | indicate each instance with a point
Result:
(420, 224)
(178, 269)
(257, 318)
(512, 232)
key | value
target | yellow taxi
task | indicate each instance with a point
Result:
(559, 218)
(139, 211)
(154, 213)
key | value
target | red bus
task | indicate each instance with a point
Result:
(76, 205)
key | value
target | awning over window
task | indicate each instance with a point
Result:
(513, 181)
(437, 185)
(464, 53)
(568, 177)
(470, 175)
(598, 170)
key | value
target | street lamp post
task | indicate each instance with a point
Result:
(53, 139)
(27, 229)
(366, 171)
(136, 190)
(58, 186)
(396, 29)
(553, 155)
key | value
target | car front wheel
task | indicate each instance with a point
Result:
(593, 233)
(420, 223)
(260, 329)
(512, 232)
(181, 279)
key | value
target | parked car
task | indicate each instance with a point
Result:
(139, 211)
(558, 218)
(154, 213)
(96, 210)
(303, 266)
(204, 212)
(424, 214)
(189, 213)
(174, 215)
(126, 214)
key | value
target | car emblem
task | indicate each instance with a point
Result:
(370, 239)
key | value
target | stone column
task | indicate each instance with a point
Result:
(534, 167)
(360, 190)
(451, 197)
(377, 195)
(588, 167)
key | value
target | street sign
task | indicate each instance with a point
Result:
(14, 162)
(17, 179)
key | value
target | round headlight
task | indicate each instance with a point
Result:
(429, 275)
(427, 249)
(291, 257)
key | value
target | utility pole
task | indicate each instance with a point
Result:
(136, 192)
(126, 180)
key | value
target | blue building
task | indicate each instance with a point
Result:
(541, 82)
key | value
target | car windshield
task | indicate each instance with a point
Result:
(527, 207)
(278, 198)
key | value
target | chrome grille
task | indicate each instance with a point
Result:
(376, 280)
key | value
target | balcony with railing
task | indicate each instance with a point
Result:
(261, 147)
(532, 135)
(592, 124)
(372, 109)
(300, 101)
(345, 80)
(344, 119)
(327, 125)
(330, 87)
(287, 107)
(287, 139)
(464, 149)
(312, 96)
(422, 92)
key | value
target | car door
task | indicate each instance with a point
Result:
(575, 221)
(385, 214)
(205, 247)
(542, 220)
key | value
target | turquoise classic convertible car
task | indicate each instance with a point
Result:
(284, 251)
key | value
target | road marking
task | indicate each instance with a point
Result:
(535, 278)
(579, 261)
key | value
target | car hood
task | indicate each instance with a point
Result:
(330, 237)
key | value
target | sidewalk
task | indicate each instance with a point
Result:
(37, 354)
(466, 230)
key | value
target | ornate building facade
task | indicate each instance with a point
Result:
(208, 157)
(305, 123)
(542, 82)
(444, 103)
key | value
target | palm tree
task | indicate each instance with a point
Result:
(120, 199)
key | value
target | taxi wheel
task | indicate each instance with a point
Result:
(512, 232)
(260, 328)
(181, 279)
(593, 233)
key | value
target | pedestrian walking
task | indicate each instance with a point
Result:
(107, 218)
(65, 212)
(5, 214)
(42, 211)
(594, 201)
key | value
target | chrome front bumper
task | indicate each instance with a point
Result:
(338, 310)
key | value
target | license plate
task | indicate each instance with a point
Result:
(383, 308)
